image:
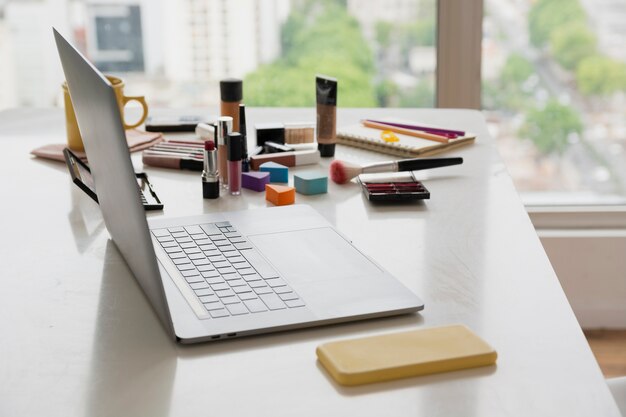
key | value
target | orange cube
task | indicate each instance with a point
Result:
(280, 195)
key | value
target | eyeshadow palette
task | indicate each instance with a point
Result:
(399, 186)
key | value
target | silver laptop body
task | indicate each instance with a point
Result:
(231, 274)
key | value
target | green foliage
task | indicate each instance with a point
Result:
(318, 37)
(571, 43)
(507, 92)
(516, 70)
(600, 75)
(384, 32)
(549, 127)
(545, 16)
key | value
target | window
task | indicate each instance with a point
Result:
(554, 88)
(175, 51)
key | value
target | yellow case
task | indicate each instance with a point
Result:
(406, 354)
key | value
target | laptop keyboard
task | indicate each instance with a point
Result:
(227, 274)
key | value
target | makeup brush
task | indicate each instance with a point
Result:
(342, 172)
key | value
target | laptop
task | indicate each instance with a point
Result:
(231, 274)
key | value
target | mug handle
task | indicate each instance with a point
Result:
(144, 105)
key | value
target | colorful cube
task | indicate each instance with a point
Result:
(310, 183)
(280, 195)
(255, 180)
(278, 172)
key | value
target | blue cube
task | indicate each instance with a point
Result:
(310, 183)
(278, 172)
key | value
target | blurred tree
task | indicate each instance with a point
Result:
(547, 15)
(600, 75)
(571, 43)
(422, 95)
(550, 127)
(507, 92)
(318, 37)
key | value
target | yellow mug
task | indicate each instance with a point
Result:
(74, 140)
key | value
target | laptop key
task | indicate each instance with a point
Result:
(231, 254)
(160, 232)
(206, 247)
(224, 293)
(230, 300)
(203, 292)
(231, 276)
(255, 306)
(185, 267)
(227, 270)
(242, 289)
(216, 314)
(176, 229)
(276, 282)
(195, 256)
(247, 296)
(220, 264)
(246, 271)
(236, 282)
(172, 250)
(194, 279)
(256, 260)
(199, 285)
(210, 274)
(263, 290)
(169, 244)
(237, 309)
(227, 248)
(215, 305)
(199, 262)
(239, 239)
(204, 268)
(180, 261)
(189, 251)
(218, 238)
(294, 303)
(220, 286)
(177, 255)
(232, 234)
(204, 241)
(187, 245)
(209, 298)
(282, 290)
(222, 224)
(241, 265)
(272, 301)
(215, 280)
(288, 296)
(253, 277)
(210, 229)
(236, 259)
(193, 230)
(258, 284)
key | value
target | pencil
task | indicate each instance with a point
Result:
(408, 132)
(428, 129)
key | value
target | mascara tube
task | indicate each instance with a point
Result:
(224, 127)
(245, 162)
(234, 163)
(210, 176)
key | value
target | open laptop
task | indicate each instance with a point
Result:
(231, 274)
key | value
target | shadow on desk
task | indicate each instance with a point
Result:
(133, 361)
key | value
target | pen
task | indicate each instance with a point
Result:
(408, 132)
(436, 130)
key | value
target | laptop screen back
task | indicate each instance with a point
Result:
(103, 135)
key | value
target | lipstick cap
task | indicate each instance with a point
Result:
(231, 89)
(234, 146)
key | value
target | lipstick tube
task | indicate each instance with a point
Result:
(234, 163)
(224, 127)
(210, 176)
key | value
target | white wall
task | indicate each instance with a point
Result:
(591, 266)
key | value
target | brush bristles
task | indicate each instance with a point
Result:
(342, 172)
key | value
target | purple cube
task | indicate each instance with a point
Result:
(255, 180)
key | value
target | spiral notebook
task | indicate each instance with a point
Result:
(407, 146)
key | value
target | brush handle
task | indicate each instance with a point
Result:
(418, 164)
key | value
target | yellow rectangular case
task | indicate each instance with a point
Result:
(406, 354)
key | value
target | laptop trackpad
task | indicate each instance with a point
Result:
(313, 255)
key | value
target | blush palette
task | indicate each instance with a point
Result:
(401, 186)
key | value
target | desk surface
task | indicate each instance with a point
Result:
(80, 339)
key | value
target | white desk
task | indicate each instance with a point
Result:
(80, 339)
